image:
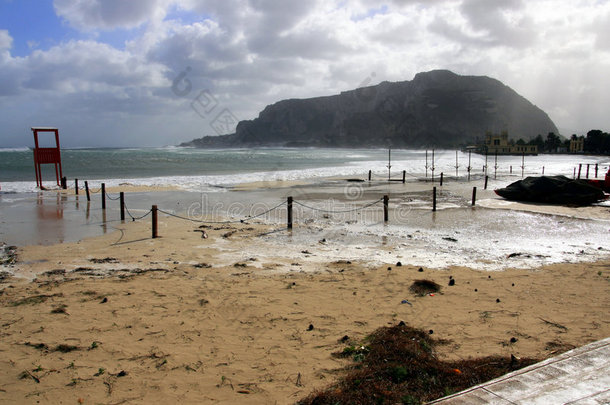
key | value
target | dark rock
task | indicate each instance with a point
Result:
(310, 327)
(105, 300)
(513, 340)
(451, 282)
(398, 264)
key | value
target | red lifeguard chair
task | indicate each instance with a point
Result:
(46, 155)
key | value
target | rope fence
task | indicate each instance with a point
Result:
(582, 170)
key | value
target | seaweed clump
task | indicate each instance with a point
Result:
(398, 366)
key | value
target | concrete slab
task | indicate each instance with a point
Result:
(578, 377)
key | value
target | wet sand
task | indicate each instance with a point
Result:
(123, 318)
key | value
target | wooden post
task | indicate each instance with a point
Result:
(456, 164)
(474, 195)
(155, 233)
(433, 198)
(386, 200)
(469, 167)
(76, 186)
(574, 175)
(122, 202)
(523, 165)
(579, 169)
(543, 170)
(511, 169)
(441, 179)
(486, 179)
(87, 190)
(369, 175)
(587, 170)
(289, 212)
(404, 176)
(64, 183)
(596, 170)
(496, 166)
(103, 196)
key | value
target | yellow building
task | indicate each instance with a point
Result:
(577, 144)
(499, 144)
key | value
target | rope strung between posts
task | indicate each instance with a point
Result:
(110, 198)
(136, 218)
(95, 191)
(222, 222)
(339, 211)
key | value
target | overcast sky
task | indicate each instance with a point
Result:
(159, 72)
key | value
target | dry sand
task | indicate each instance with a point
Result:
(150, 322)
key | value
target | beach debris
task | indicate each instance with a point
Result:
(25, 374)
(389, 268)
(39, 346)
(203, 301)
(60, 310)
(513, 339)
(310, 327)
(344, 339)
(406, 302)
(34, 299)
(204, 234)
(430, 332)
(306, 252)
(476, 289)
(202, 266)
(240, 265)
(398, 364)
(554, 324)
(8, 254)
(451, 282)
(56, 272)
(323, 240)
(104, 300)
(421, 269)
(104, 260)
(450, 239)
(497, 299)
(64, 348)
(398, 264)
(229, 234)
(424, 287)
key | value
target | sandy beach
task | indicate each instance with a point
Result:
(124, 318)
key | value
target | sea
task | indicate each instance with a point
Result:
(457, 234)
(212, 170)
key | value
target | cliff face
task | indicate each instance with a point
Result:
(435, 109)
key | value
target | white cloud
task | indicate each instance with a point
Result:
(90, 15)
(250, 53)
(6, 41)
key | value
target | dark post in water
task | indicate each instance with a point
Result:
(385, 208)
(289, 212)
(474, 195)
(122, 202)
(76, 186)
(433, 198)
(87, 190)
(103, 196)
(155, 233)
